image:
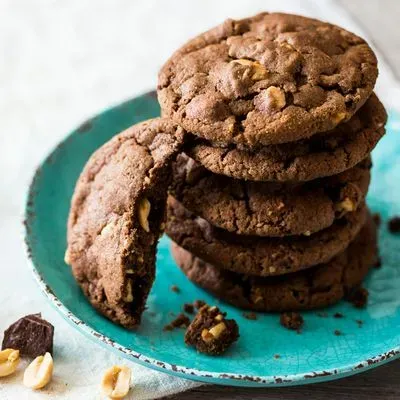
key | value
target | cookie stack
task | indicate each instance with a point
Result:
(267, 206)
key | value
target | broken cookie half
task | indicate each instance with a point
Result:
(116, 218)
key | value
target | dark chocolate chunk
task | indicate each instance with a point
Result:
(338, 315)
(31, 335)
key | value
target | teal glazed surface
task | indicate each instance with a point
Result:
(316, 354)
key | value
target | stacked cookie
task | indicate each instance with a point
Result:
(267, 206)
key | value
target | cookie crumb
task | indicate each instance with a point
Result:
(394, 224)
(198, 304)
(358, 297)
(276, 356)
(292, 320)
(188, 308)
(175, 289)
(251, 316)
(322, 314)
(337, 332)
(338, 315)
(181, 321)
(359, 322)
(378, 263)
(32, 335)
(210, 332)
(377, 219)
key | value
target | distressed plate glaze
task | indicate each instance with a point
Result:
(316, 354)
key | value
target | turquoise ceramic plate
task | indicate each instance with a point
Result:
(316, 354)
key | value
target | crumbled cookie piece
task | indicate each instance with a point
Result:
(378, 263)
(358, 297)
(198, 304)
(210, 332)
(292, 320)
(251, 316)
(31, 335)
(359, 322)
(377, 219)
(181, 321)
(188, 308)
(394, 225)
(337, 332)
(175, 289)
(338, 315)
(277, 356)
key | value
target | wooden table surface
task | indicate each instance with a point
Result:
(379, 19)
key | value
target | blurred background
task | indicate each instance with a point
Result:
(62, 61)
(65, 60)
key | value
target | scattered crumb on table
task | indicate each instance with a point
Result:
(394, 224)
(175, 289)
(250, 315)
(188, 308)
(181, 321)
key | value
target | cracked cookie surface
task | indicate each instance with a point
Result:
(321, 155)
(317, 287)
(261, 256)
(115, 218)
(268, 208)
(273, 78)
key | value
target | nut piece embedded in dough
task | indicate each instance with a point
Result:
(258, 71)
(217, 330)
(270, 100)
(346, 205)
(39, 372)
(339, 117)
(9, 360)
(129, 295)
(144, 212)
(116, 382)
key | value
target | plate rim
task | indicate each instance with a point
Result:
(177, 370)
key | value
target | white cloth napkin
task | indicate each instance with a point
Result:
(61, 62)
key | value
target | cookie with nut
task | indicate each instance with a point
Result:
(210, 332)
(116, 218)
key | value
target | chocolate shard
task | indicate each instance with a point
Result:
(31, 335)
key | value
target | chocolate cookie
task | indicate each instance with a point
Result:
(268, 208)
(262, 256)
(116, 215)
(322, 155)
(316, 287)
(273, 78)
